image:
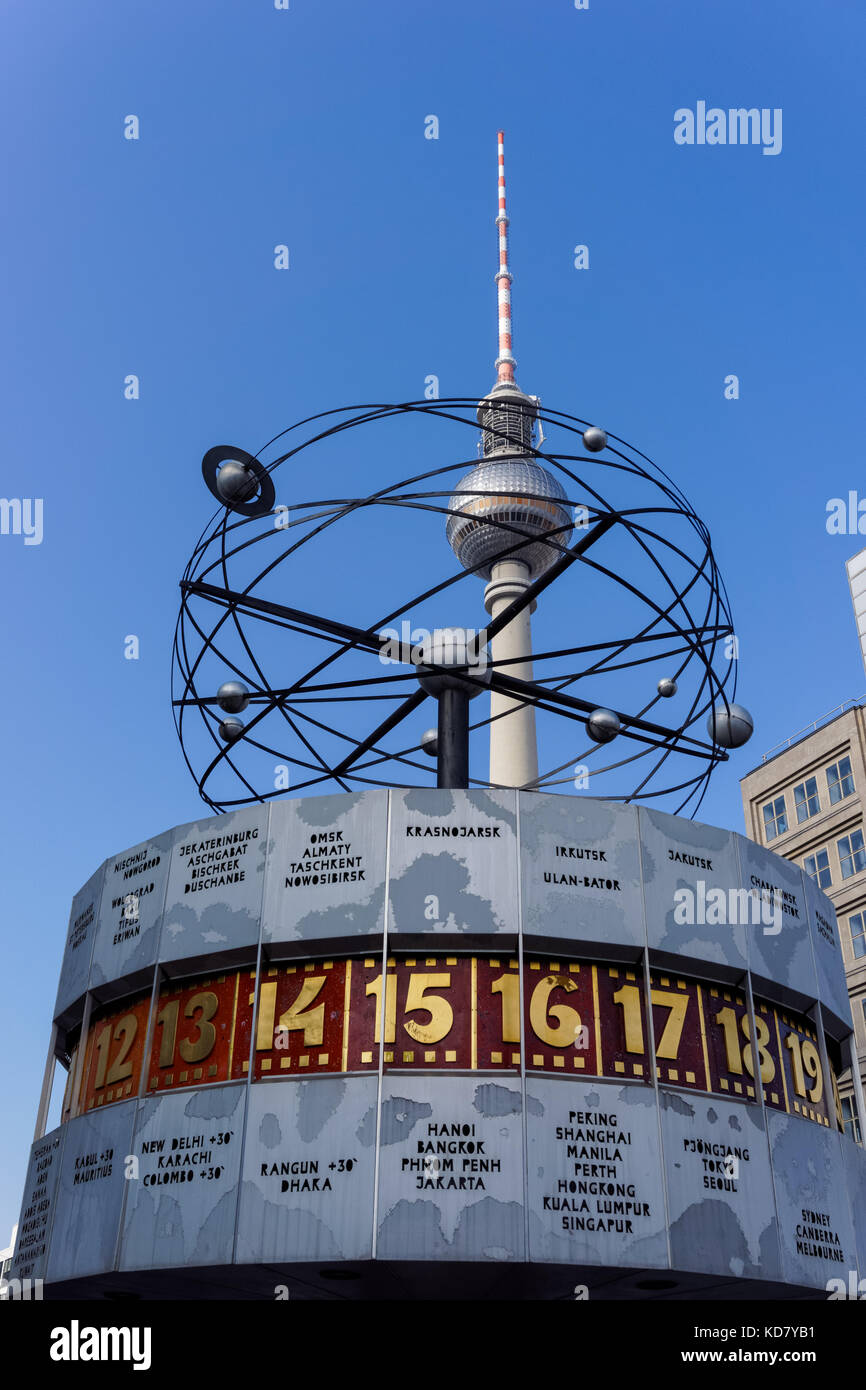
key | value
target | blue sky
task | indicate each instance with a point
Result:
(306, 127)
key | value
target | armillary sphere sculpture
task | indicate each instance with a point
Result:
(328, 619)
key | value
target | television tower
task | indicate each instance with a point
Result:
(515, 498)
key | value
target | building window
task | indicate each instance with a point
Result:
(857, 928)
(806, 799)
(849, 1118)
(817, 865)
(775, 818)
(852, 853)
(840, 780)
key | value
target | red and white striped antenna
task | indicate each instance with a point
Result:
(505, 362)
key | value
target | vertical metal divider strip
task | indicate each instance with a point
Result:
(383, 1014)
(829, 1095)
(137, 1099)
(251, 1055)
(752, 1046)
(141, 1095)
(522, 1026)
(650, 1036)
(75, 1108)
(759, 1086)
(781, 1054)
(159, 976)
(47, 1086)
(158, 973)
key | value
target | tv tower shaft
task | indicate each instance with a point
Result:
(513, 741)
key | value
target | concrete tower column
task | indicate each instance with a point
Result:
(513, 747)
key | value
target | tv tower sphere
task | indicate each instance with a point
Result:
(514, 495)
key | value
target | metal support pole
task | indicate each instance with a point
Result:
(453, 738)
(47, 1086)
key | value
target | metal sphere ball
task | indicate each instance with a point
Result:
(667, 687)
(430, 743)
(603, 725)
(230, 730)
(594, 440)
(731, 727)
(233, 697)
(517, 493)
(235, 483)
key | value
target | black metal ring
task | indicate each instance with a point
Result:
(695, 632)
(257, 506)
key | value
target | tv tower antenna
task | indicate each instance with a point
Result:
(505, 363)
